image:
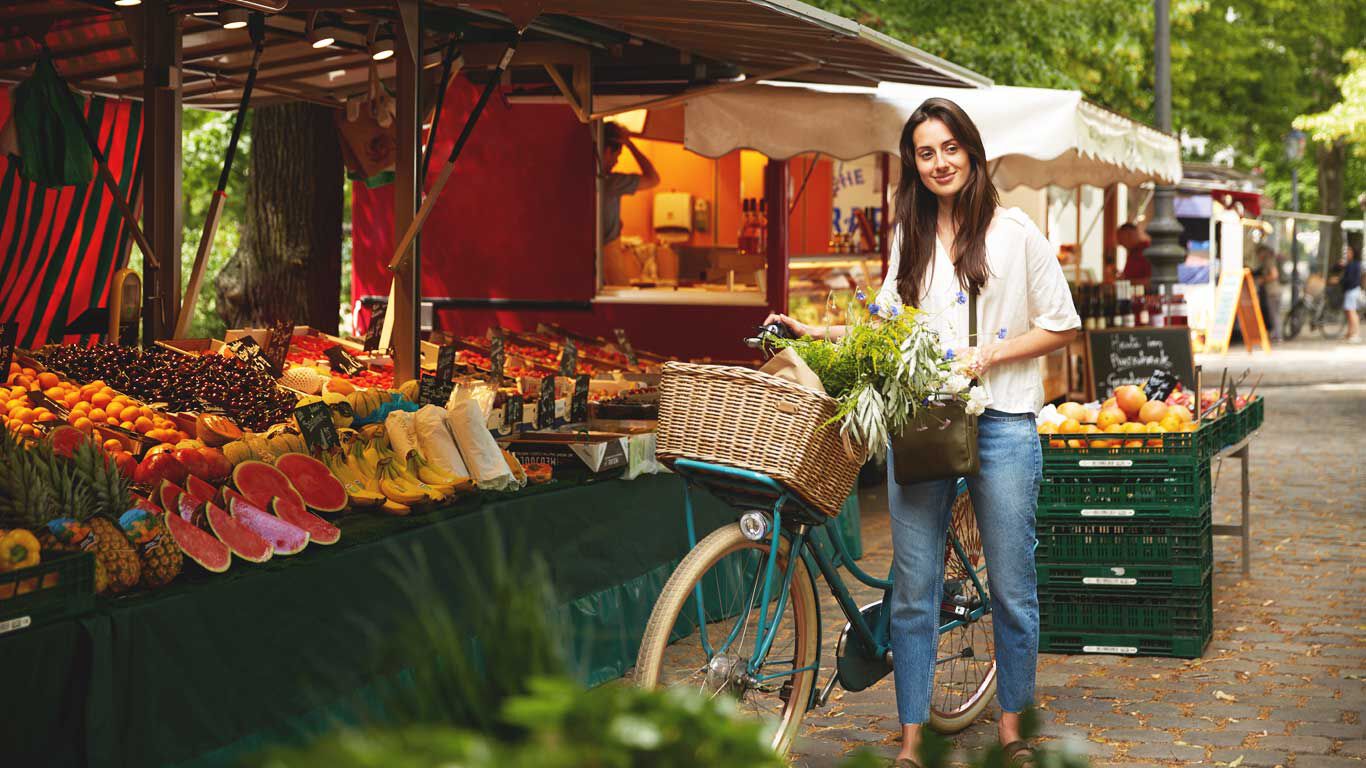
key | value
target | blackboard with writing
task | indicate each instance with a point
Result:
(1128, 356)
(625, 345)
(569, 358)
(315, 424)
(342, 361)
(445, 363)
(431, 390)
(375, 329)
(497, 355)
(545, 404)
(514, 412)
(248, 351)
(578, 404)
(277, 346)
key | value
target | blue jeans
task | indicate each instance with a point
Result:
(1004, 496)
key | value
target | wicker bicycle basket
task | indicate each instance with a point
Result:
(743, 418)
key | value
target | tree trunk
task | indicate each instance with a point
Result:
(288, 265)
(1332, 161)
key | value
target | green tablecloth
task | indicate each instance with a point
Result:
(208, 670)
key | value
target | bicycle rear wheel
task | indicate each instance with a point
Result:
(965, 669)
(1333, 322)
(1295, 320)
(712, 657)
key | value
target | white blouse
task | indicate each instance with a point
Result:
(1025, 289)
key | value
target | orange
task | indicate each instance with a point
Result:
(1114, 429)
(1109, 416)
(1069, 426)
(4, 407)
(28, 371)
(1133, 443)
(23, 415)
(111, 445)
(81, 406)
(26, 382)
(98, 384)
(56, 393)
(114, 408)
(1132, 427)
(1048, 428)
(112, 421)
(71, 399)
(48, 379)
(13, 366)
(83, 424)
(98, 415)
(100, 399)
(128, 425)
(45, 417)
(142, 424)
(1171, 422)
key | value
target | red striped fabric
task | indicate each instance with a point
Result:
(59, 248)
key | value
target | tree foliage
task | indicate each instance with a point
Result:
(1345, 120)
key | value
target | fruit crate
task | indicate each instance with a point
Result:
(1126, 488)
(1144, 612)
(1158, 449)
(61, 586)
(1176, 646)
(1144, 542)
(1121, 579)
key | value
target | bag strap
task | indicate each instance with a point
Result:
(972, 316)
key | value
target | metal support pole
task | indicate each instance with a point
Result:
(1294, 236)
(1245, 456)
(1166, 250)
(775, 191)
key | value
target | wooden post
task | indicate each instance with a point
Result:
(407, 293)
(161, 171)
(1109, 223)
(776, 193)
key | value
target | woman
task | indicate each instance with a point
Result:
(1351, 294)
(1268, 278)
(952, 238)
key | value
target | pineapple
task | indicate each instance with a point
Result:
(92, 490)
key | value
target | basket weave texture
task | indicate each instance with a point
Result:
(742, 418)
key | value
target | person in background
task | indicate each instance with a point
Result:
(1268, 276)
(619, 267)
(1352, 294)
(1137, 270)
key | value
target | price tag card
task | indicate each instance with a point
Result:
(513, 413)
(569, 358)
(578, 403)
(445, 363)
(431, 390)
(1161, 384)
(277, 346)
(625, 344)
(248, 351)
(315, 423)
(342, 361)
(9, 335)
(497, 355)
(545, 404)
(375, 329)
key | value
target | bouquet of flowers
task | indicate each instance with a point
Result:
(887, 367)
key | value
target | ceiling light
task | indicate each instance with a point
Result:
(127, 3)
(233, 18)
(323, 32)
(382, 47)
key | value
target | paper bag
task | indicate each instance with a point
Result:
(789, 365)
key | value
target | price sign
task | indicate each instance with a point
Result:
(514, 412)
(248, 351)
(1133, 356)
(431, 390)
(277, 346)
(625, 344)
(445, 364)
(497, 355)
(569, 359)
(1161, 384)
(342, 361)
(9, 334)
(376, 327)
(315, 423)
(578, 403)
(545, 404)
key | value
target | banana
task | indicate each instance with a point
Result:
(391, 507)
(360, 497)
(397, 488)
(432, 475)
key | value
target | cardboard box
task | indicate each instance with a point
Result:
(598, 452)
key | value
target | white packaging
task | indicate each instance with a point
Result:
(481, 453)
(435, 443)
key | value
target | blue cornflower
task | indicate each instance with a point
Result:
(948, 354)
(962, 298)
(874, 309)
(895, 310)
(1001, 334)
(860, 295)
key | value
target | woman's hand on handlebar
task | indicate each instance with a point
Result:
(798, 329)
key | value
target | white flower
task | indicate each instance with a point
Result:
(956, 383)
(977, 401)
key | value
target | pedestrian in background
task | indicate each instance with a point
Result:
(1352, 294)
(1268, 277)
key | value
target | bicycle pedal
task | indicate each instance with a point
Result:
(786, 693)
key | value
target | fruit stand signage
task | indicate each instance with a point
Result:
(375, 328)
(625, 344)
(315, 423)
(1123, 356)
(513, 413)
(342, 361)
(431, 390)
(578, 404)
(497, 354)
(248, 351)
(277, 346)
(445, 363)
(569, 359)
(545, 404)
(9, 333)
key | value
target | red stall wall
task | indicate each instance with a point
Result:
(516, 221)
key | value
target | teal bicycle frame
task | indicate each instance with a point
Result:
(746, 490)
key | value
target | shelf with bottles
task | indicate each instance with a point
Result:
(1121, 304)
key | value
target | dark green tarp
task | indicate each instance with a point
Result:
(52, 148)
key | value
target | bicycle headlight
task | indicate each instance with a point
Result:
(754, 525)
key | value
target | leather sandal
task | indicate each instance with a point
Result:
(1020, 754)
(905, 762)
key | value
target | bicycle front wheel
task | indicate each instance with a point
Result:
(712, 654)
(965, 666)
(1333, 322)
(1295, 320)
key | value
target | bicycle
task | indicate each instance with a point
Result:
(711, 628)
(1320, 311)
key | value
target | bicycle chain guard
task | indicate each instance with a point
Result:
(855, 668)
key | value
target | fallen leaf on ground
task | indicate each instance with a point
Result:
(1220, 695)
(1237, 761)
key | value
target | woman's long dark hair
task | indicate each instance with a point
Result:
(917, 208)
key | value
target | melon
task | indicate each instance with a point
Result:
(200, 546)
(200, 489)
(283, 537)
(168, 493)
(316, 484)
(319, 530)
(260, 483)
(216, 430)
(243, 541)
(191, 510)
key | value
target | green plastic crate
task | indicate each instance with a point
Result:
(1125, 542)
(1119, 579)
(1126, 487)
(1145, 612)
(1177, 646)
(62, 585)
(1157, 451)
(1256, 411)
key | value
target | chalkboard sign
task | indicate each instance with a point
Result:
(342, 361)
(248, 351)
(625, 344)
(445, 363)
(277, 346)
(9, 334)
(431, 390)
(569, 358)
(545, 404)
(315, 423)
(375, 329)
(497, 355)
(514, 412)
(1125, 356)
(1162, 383)
(578, 403)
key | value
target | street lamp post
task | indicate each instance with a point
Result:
(1166, 250)
(1294, 150)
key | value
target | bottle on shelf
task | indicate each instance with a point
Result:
(1108, 314)
(1157, 308)
(1126, 304)
(1176, 313)
(1089, 307)
(1140, 304)
(760, 235)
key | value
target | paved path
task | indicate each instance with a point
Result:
(1284, 681)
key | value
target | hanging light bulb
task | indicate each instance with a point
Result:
(323, 30)
(233, 18)
(382, 46)
(127, 3)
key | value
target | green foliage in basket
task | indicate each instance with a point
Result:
(887, 366)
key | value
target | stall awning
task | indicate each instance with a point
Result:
(1034, 136)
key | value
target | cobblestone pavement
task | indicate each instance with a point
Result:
(1283, 683)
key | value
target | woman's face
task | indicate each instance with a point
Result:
(942, 163)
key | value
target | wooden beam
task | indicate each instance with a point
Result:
(570, 96)
(406, 296)
(529, 54)
(669, 101)
(161, 161)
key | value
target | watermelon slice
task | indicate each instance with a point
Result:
(200, 489)
(260, 482)
(200, 546)
(168, 493)
(319, 530)
(320, 490)
(243, 542)
(285, 538)
(191, 510)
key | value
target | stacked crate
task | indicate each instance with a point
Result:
(1125, 553)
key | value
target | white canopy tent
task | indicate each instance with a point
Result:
(1034, 136)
